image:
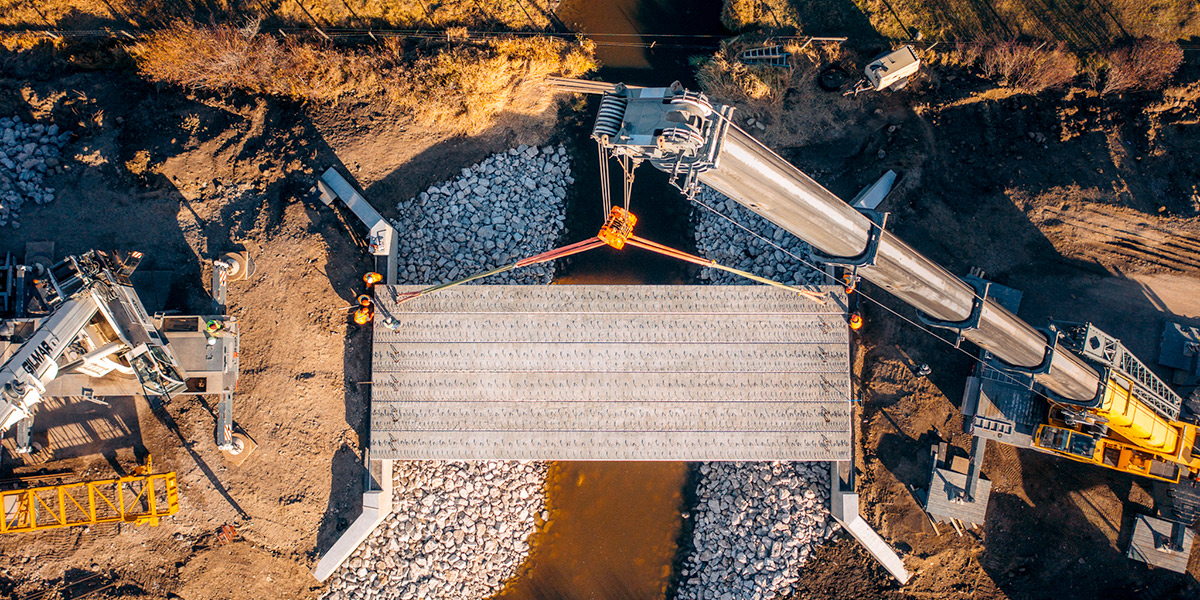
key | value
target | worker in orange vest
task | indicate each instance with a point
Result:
(365, 311)
(363, 315)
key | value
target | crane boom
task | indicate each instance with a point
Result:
(77, 290)
(681, 133)
(33, 365)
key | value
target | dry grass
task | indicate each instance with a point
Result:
(1079, 24)
(724, 76)
(513, 14)
(738, 15)
(1144, 65)
(509, 14)
(786, 101)
(461, 86)
(19, 42)
(961, 54)
(139, 164)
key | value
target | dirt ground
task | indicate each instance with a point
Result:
(1088, 207)
(184, 178)
(1091, 210)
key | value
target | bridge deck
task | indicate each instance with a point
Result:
(580, 372)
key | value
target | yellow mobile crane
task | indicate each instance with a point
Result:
(1132, 427)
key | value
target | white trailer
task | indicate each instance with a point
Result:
(892, 70)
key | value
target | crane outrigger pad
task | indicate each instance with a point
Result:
(583, 372)
(1153, 542)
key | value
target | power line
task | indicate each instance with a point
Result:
(346, 32)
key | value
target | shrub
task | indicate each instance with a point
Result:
(964, 53)
(1029, 68)
(464, 85)
(726, 77)
(1147, 64)
(734, 80)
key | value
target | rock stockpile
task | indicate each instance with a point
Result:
(457, 530)
(509, 206)
(755, 525)
(730, 245)
(27, 152)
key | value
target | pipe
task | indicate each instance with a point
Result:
(93, 356)
(754, 176)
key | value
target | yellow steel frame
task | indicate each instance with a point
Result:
(139, 498)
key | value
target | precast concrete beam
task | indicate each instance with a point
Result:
(754, 176)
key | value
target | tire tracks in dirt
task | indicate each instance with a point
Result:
(1112, 235)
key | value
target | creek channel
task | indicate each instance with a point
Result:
(615, 528)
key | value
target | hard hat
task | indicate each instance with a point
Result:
(362, 316)
(856, 321)
(364, 300)
(214, 325)
(372, 278)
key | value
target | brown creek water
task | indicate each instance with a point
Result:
(612, 532)
(614, 527)
(646, 37)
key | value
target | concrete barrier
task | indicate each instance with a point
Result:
(843, 505)
(377, 504)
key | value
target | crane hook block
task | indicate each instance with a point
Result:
(617, 229)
